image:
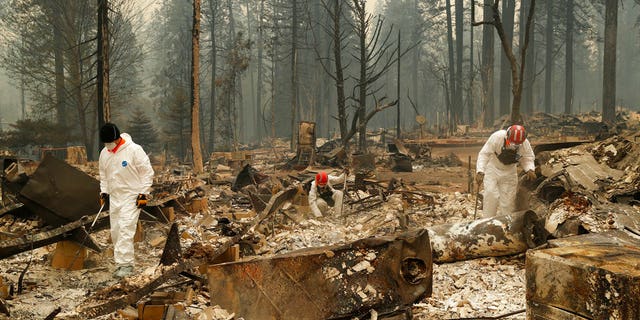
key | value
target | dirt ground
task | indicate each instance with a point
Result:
(441, 179)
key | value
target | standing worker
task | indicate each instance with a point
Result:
(496, 167)
(322, 195)
(126, 176)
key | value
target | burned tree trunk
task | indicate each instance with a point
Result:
(488, 237)
(196, 150)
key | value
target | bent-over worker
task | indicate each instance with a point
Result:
(497, 168)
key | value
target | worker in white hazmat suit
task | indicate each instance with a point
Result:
(496, 167)
(126, 177)
(322, 195)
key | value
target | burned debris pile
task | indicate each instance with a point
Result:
(241, 242)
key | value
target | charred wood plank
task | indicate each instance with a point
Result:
(257, 203)
(333, 282)
(172, 250)
(9, 208)
(592, 281)
(488, 237)
(70, 231)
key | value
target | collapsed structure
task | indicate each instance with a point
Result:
(239, 242)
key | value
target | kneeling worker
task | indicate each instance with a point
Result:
(322, 194)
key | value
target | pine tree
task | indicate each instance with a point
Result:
(142, 131)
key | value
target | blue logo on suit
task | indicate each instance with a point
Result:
(124, 163)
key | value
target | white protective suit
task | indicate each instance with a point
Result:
(500, 180)
(319, 206)
(124, 174)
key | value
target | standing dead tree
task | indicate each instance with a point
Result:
(338, 39)
(517, 72)
(195, 89)
(375, 55)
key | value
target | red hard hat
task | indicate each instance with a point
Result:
(322, 178)
(516, 134)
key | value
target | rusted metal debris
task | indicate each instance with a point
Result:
(333, 282)
(60, 193)
(488, 237)
(590, 281)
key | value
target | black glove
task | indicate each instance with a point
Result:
(141, 201)
(104, 198)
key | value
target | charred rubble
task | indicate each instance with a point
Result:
(240, 242)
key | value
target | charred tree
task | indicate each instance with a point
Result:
(452, 107)
(609, 62)
(568, 84)
(529, 69)
(459, 51)
(104, 108)
(486, 70)
(195, 90)
(334, 10)
(516, 73)
(375, 56)
(260, 85)
(508, 11)
(548, 71)
(213, 7)
(294, 71)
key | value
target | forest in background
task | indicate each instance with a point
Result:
(267, 64)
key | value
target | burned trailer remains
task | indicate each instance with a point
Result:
(333, 282)
(488, 237)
